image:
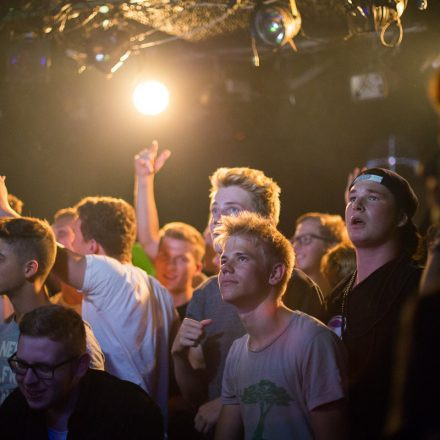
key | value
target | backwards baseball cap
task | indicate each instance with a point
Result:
(398, 186)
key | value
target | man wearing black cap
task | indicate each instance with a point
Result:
(364, 309)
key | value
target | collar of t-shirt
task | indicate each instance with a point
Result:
(56, 435)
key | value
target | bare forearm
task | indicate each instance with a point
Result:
(147, 215)
(190, 381)
(230, 424)
(329, 421)
(70, 267)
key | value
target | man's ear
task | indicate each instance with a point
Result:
(30, 268)
(199, 268)
(403, 219)
(93, 247)
(277, 274)
(83, 365)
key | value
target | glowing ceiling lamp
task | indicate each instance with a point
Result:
(151, 98)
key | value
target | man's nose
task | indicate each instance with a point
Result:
(226, 267)
(358, 204)
(30, 377)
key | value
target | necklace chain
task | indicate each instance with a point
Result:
(344, 304)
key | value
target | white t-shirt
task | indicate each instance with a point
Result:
(133, 318)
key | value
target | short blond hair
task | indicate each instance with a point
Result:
(65, 214)
(265, 192)
(276, 247)
(332, 226)
(338, 263)
(185, 232)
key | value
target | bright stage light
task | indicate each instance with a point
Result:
(151, 97)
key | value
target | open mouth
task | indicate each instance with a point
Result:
(356, 221)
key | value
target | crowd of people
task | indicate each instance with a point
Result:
(114, 327)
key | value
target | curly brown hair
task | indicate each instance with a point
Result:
(111, 222)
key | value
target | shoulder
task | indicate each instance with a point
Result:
(311, 330)
(237, 349)
(115, 395)
(203, 295)
(126, 408)
(13, 408)
(102, 261)
(207, 287)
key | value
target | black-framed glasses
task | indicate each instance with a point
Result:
(306, 239)
(42, 371)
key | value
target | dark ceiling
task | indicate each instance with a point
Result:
(67, 135)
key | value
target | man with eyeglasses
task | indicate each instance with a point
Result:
(315, 234)
(27, 254)
(131, 314)
(59, 397)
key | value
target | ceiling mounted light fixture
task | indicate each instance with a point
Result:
(276, 23)
(385, 14)
(382, 16)
(108, 49)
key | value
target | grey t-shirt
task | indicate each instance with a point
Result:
(226, 327)
(277, 386)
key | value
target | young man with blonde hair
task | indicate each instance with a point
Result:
(285, 378)
(200, 349)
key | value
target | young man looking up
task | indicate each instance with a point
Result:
(365, 309)
(131, 314)
(59, 397)
(284, 379)
(199, 351)
(27, 254)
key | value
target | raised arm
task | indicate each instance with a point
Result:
(70, 267)
(5, 207)
(146, 164)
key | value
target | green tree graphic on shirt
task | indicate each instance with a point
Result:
(266, 394)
